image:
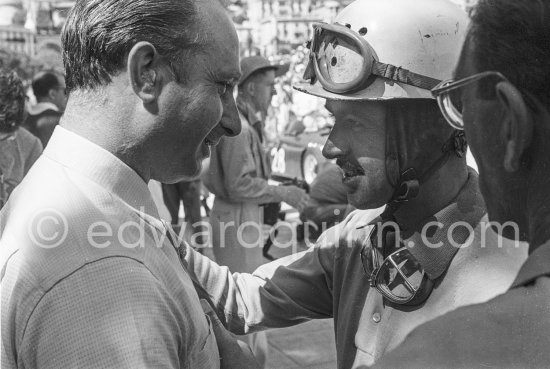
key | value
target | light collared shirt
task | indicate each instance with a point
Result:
(41, 107)
(328, 281)
(89, 277)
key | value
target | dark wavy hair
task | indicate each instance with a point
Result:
(98, 35)
(43, 82)
(513, 37)
(12, 101)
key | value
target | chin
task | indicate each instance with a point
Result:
(189, 174)
(365, 203)
(370, 195)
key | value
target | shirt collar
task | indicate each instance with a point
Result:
(467, 207)
(536, 265)
(102, 167)
(8, 136)
(42, 107)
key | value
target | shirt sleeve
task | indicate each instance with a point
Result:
(282, 293)
(240, 178)
(112, 313)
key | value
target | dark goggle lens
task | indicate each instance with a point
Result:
(400, 275)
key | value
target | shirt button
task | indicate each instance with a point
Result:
(376, 317)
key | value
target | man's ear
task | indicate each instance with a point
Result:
(143, 64)
(51, 94)
(517, 124)
(250, 88)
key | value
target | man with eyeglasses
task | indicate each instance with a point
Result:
(381, 273)
(500, 97)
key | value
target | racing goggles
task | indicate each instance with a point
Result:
(344, 62)
(399, 277)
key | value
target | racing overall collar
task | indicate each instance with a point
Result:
(411, 263)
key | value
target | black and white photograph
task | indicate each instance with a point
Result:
(274, 184)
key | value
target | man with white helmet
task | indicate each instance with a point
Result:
(382, 272)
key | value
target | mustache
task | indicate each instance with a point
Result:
(349, 168)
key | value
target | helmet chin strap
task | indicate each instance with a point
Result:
(409, 183)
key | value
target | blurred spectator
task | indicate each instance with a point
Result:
(50, 92)
(238, 175)
(18, 148)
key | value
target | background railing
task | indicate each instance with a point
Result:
(18, 39)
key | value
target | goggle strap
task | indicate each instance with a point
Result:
(402, 75)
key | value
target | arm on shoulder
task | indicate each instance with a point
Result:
(282, 293)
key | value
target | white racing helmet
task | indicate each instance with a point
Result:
(385, 49)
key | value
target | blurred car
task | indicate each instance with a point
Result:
(298, 153)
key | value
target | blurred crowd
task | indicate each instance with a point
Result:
(291, 111)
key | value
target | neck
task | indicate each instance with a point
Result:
(112, 129)
(434, 194)
(538, 211)
(537, 183)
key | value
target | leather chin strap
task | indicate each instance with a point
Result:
(409, 183)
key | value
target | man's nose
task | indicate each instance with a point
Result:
(330, 150)
(230, 122)
(273, 91)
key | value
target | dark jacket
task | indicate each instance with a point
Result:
(41, 121)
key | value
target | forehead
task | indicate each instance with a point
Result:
(266, 76)
(222, 45)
